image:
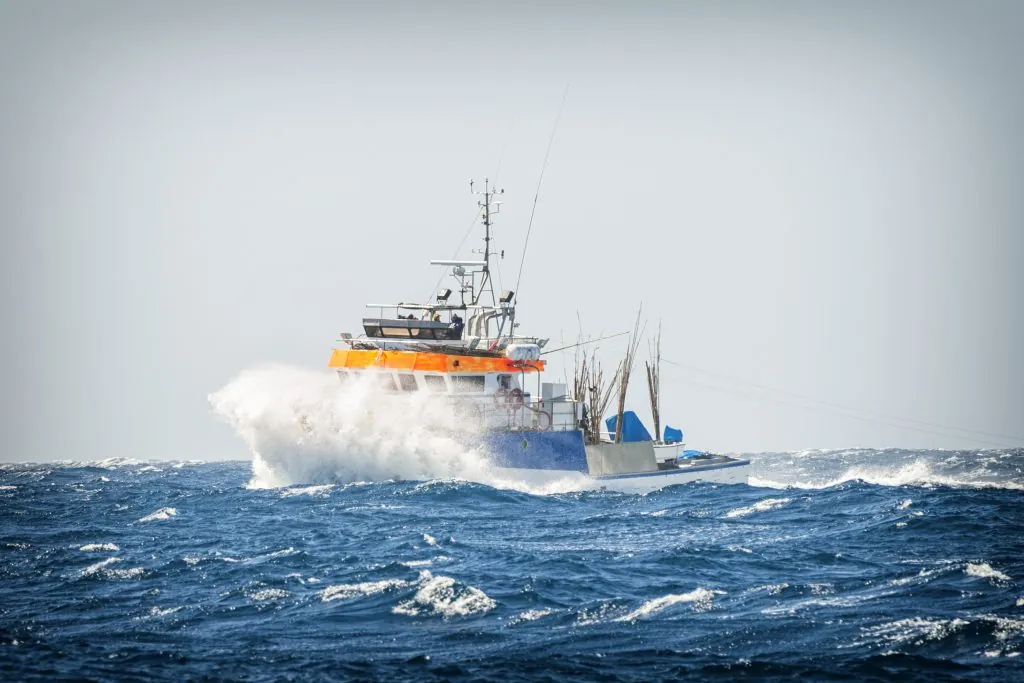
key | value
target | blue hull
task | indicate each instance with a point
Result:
(538, 450)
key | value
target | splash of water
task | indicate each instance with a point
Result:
(304, 427)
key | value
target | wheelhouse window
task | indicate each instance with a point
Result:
(435, 384)
(343, 375)
(468, 384)
(387, 382)
(407, 381)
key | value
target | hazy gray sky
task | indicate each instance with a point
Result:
(820, 198)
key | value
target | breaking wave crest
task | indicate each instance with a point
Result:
(821, 469)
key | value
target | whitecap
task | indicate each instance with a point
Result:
(916, 630)
(269, 594)
(416, 563)
(441, 595)
(904, 504)
(983, 570)
(760, 506)
(94, 547)
(160, 515)
(429, 540)
(307, 491)
(530, 615)
(7, 487)
(157, 612)
(700, 597)
(355, 590)
(103, 569)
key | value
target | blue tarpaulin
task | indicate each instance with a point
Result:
(691, 454)
(632, 428)
(673, 435)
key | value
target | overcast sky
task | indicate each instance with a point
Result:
(821, 201)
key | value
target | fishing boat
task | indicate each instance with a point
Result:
(465, 347)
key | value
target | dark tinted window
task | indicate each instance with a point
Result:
(407, 382)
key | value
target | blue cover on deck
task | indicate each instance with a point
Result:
(538, 450)
(672, 435)
(632, 428)
(690, 454)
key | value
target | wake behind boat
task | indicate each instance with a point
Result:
(464, 347)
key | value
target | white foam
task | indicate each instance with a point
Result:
(985, 571)
(760, 506)
(305, 427)
(1020, 602)
(916, 630)
(530, 615)
(700, 597)
(7, 487)
(269, 594)
(160, 515)
(904, 504)
(94, 547)
(817, 470)
(103, 569)
(354, 590)
(771, 589)
(412, 564)
(157, 612)
(429, 540)
(441, 595)
(308, 490)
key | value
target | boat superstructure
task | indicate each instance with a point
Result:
(464, 346)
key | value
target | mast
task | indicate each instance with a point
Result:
(486, 204)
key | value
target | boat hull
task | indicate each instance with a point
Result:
(559, 460)
(732, 473)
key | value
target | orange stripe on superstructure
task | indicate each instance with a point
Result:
(357, 359)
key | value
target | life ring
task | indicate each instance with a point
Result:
(501, 396)
(515, 398)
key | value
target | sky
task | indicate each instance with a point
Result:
(820, 203)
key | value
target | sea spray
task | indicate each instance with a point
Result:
(304, 427)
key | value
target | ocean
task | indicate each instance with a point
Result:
(384, 554)
(851, 565)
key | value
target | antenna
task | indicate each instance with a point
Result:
(489, 208)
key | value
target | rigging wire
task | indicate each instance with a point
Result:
(888, 420)
(536, 195)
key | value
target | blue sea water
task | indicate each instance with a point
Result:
(830, 565)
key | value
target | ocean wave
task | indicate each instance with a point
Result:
(347, 591)
(760, 506)
(984, 570)
(159, 515)
(701, 598)
(443, 596)
(95, 547)
(104, 569)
